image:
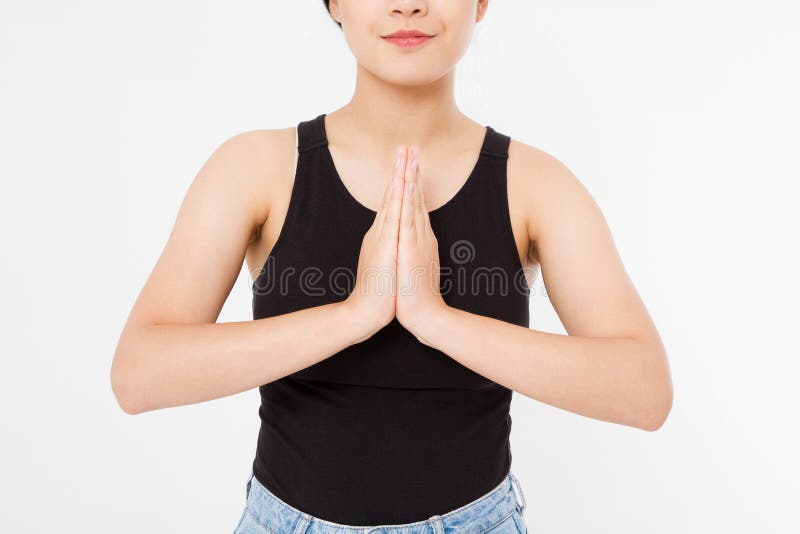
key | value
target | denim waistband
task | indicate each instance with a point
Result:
(481, 514)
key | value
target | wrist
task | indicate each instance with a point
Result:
(356, 320)
(429, 326)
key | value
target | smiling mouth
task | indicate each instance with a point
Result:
(406, 40)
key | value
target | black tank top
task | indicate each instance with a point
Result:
(388, 430)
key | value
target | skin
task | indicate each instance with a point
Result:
(610, 366)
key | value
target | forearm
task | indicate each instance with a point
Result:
(619, 380)
(163, 365)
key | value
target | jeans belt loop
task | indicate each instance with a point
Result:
(517, 488)
(249, 484)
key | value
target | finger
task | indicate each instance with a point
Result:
(397, 177)
(424, 221)
(408, 231)
(419, 211)
(389, 228)
(415, 200)
(413, 154)
(387, 190)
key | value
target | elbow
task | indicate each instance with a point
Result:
(657, 407)
(656, 395)
(123, 384)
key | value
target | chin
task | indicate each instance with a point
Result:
(411, 76)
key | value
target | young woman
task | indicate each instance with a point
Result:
(390, 242)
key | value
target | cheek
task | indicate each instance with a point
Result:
(452, 43)
(459, 37)
(362, 32)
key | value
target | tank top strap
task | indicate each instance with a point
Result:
(310, 192)
(311, 134)
(493, 173)
(492, 202)
(496, 143)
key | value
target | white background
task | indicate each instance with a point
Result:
(681, 118)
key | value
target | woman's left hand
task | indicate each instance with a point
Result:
(419, 300)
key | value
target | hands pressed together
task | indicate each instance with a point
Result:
(398, 265)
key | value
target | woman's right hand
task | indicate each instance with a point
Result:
(373, 298)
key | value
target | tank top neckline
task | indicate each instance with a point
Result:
(485, 149)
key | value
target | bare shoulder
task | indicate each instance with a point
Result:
(253, 164)
(545, 189)
(216, 218)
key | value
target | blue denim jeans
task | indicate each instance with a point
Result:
(500, 511)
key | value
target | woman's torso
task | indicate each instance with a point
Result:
(277, 195)
(385, 420)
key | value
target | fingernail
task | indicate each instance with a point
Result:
(414, 164)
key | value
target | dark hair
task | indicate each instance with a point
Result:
(328, 9)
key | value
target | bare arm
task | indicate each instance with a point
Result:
(612, 365)
(163, 365)
(171, 351)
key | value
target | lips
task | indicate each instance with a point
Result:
(407, 38)
(404, 34)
